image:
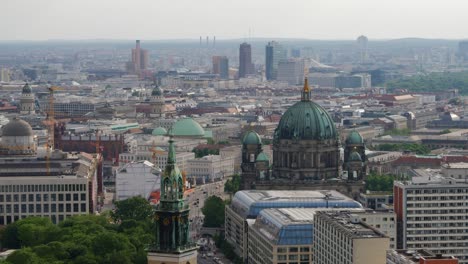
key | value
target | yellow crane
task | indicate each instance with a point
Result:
(50, 123)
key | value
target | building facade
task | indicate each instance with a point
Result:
(432, 214)
(274, 53)
(245, 60)
(343, 238)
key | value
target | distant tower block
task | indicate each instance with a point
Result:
(207, 41)
(362, 43)
(214, 41)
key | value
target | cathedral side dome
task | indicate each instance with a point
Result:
(354, 138)
(355, 157)
(156, 91)
(251, 138)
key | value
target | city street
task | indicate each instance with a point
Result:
(196, 200)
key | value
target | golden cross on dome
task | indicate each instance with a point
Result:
(306, 85)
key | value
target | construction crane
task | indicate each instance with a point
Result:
(50, 123)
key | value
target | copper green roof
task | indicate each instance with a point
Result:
(156, 91)
(262, 157)
(187, 127)
(27, 88)
(251, 138)
(354, 138)
(306, 120)
(159, 131)
(354, 156)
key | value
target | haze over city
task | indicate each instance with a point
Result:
(182, 19)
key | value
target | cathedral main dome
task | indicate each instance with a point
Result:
(306, 120)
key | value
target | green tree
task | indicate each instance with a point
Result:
(23, 256)
(214, 212)
(136, 208)
(232, 185)
(381, 183)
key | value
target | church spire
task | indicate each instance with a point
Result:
(305, 95)
(171, 158)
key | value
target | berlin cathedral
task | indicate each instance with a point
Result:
(306, 154)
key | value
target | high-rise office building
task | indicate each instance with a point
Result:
(221, 66)
(362, 43)
(245, 60)
(341, 237)
(291, 71)
(463, 50)
(140, 60)
(432, 214)
(274, 53)
(4, 75)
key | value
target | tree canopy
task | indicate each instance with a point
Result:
(232, 185)
(431, 82)
(86, 239)
(213, 211)
(416, 148)
(381, 183)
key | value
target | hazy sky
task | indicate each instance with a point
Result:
(171, 19)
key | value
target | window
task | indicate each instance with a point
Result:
(68, 197)
(38, 208)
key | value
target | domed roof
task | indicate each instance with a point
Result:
(354, 156)
(306, 120)
(262, 157)
(17, 127)
(27, 89)
(251, 138)
(159, 131)
(156, 91)
(187, 127)
(354, 138)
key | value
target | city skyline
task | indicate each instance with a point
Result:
(328, 20)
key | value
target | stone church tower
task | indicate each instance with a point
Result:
(255, 163)
(172, 243)
(27, 101)
(157, 102)
(355, 162)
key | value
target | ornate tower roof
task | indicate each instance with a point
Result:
(172, 184)
(306, 120)
(27, 89)
(354, 138)
(251, 138)
(156, 91)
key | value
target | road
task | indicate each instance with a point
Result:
(196, 200)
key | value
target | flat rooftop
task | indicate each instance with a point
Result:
(350, 224)
(249, 203)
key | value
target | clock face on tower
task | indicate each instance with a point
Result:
(166, 221)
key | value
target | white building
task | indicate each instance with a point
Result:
(432, 214)
(137, 179)
(210, 168)
(54, 197)
(159, 158)
(341, 237)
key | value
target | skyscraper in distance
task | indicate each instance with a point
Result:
(140, 60)
(221, 66)
(274, 53)
(245, 60)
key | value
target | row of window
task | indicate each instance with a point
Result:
(43, 208)
(42, 197)
(42, 188)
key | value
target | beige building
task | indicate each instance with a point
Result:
(210, 168)
(341, 237)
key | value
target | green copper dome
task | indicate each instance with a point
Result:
(156, 91)
(306, 120)
(27, 89)
(187, 127)
(355, 156)
(262, 157)
(159, 131)
(251, 138)
(354, 138)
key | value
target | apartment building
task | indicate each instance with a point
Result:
(432, 214)
(341, 237)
